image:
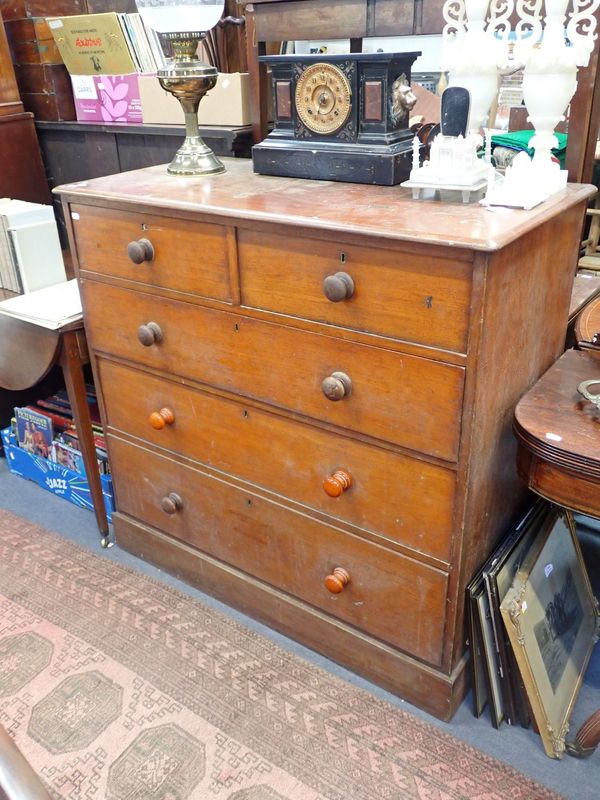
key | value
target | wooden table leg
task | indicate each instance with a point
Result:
(71, 363)
(587, 737)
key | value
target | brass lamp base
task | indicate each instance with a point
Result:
(188, 79)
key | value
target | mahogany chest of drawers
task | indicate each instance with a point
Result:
(308, 391)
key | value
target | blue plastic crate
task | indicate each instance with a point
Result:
(53, 477)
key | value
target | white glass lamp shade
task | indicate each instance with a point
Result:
(179, 16)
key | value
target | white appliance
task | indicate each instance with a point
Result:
(30, 253)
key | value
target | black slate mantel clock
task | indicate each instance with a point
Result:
(342, 118)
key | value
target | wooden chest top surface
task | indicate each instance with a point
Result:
(388, 212)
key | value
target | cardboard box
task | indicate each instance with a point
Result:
(53, 477)
(107, 98)
(228, 103)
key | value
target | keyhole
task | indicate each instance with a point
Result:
(429, 301)
(342, 258)
(144, 226)
(236, 327)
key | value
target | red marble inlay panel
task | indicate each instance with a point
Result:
(373, 101)
(283, 99)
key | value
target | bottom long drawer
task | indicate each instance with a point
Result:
(394, 598)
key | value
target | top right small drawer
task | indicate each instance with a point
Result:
(394, 293)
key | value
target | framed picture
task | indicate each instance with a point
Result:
(481, 687)
(496, 678)
(551, 617)
(499, 577)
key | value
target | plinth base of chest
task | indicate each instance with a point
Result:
(418, 683)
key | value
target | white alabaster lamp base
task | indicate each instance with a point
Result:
(526, 183)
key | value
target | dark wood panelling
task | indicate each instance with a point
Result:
(43, 78)
(49, 106)
(21, 169)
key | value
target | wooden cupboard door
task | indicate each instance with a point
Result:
(394, 293)
(402, 499)
(394, 598)
(187, 257)
(388, 395)
(432, 18)
(393, 18)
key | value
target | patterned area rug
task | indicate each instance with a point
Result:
(115, 686)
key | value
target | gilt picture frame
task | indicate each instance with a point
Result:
(551, 616)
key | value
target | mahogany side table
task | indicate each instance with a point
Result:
(27, 353)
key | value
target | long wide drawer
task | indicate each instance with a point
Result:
(394, 598)
(413, 297)
(188, 257)
(414, 402)
(401, 498)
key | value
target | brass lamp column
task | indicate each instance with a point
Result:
(189, 79)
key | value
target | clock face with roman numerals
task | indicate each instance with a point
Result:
(323, 98)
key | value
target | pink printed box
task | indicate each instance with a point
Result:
(107, 98)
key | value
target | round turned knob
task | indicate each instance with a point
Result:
(335, 582)
(172, 503)
(149, 334)
(337, 483)
(338, 287)
(140, 251)
(158, 419)
(337, 386)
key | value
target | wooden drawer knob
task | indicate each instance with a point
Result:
(172, 503)
(335, 582)
(140, 251)
(337, 386)
(337, 483)
(149, 334)
(338, 287)
(158, 419)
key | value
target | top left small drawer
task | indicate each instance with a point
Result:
(163, 252)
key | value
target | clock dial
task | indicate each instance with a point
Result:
(323, 98)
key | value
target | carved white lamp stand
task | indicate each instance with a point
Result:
(473, 50)
(549, 83)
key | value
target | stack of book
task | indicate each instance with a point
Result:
(47, 430)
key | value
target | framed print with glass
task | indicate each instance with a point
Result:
(551, 616)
